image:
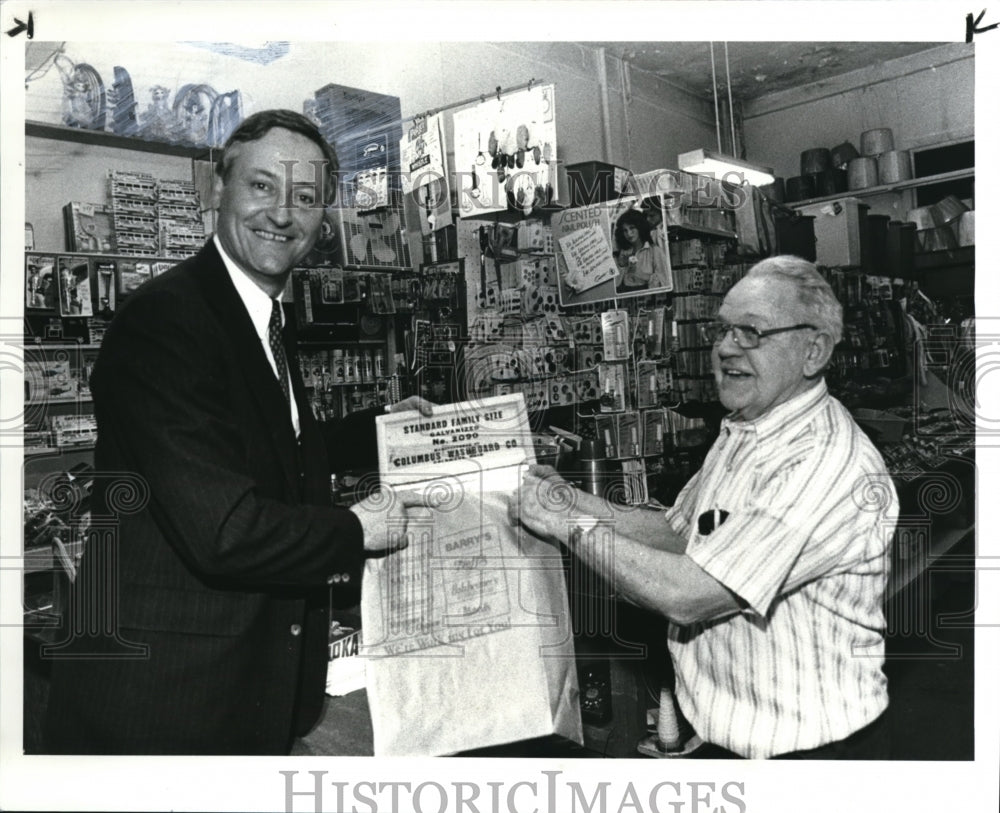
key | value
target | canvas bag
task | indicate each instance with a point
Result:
(467, 634)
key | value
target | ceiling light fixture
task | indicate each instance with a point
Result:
(715, 162)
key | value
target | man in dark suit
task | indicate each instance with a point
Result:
(200, 619)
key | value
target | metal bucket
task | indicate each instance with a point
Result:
(842, 155)
(831, 182)
(967, 229)
(877, 141)
(814, 161)
(894, 166)
(862, 173)
(950, 209)
(801, 187)
(926, 217)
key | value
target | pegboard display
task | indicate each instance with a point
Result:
(615, 370)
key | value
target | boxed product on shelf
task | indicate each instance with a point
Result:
(687, 252)
(104, 286)
(841, 229)
(40, 286)
(177, 193)
(73, 430)
(132, 185)
(137, 245)
(89, 227)
(37, 440)
(124, 221)
(74, 286)
(132, 274)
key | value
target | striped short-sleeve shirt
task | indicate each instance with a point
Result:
(804, 512)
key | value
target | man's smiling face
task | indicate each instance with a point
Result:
(751, 382)
(269, 218)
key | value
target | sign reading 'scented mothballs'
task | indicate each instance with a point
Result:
(467, 634)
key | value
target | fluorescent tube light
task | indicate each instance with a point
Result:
(724, 167)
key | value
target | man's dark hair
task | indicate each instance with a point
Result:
(259, 124)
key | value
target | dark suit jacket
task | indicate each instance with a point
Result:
(224, 573)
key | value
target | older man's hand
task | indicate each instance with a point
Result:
(542, 503)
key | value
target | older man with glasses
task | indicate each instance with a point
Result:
(771, 566)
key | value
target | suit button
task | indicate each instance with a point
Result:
(295, 629)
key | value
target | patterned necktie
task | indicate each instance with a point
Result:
(277, 347)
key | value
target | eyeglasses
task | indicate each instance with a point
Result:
(747, 336)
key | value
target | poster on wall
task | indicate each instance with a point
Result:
(424, 175)
(505, 152)
(611, 250)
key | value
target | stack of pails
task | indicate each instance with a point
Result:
(879, 162)
(819, 176)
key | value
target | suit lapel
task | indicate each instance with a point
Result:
(224, 300)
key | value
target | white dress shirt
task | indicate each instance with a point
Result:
(258, 305)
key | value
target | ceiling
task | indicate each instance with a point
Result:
(756, 68)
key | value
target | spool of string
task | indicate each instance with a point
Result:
(668, 724)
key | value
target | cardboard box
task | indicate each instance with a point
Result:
(841, 228)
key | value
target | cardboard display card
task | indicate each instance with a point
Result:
(467, 634)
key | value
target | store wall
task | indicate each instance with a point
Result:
(649, 122)
(926, 99)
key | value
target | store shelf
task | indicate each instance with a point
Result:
(320, 343)
(380, 382)
(61, 345)
(97, 255)
(42, 559)
(76, 399)
(883, 189)
(101, 138)
(950, 258)
(53, 450)
(708, 231)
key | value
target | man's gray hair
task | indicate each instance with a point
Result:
(814, 291)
